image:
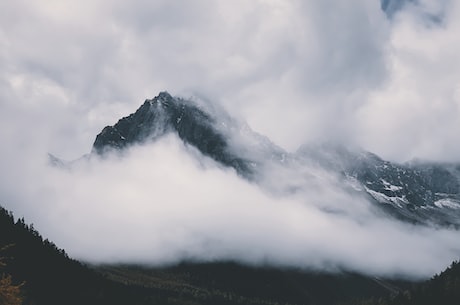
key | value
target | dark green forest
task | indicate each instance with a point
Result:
(442, 289)
(34, 271)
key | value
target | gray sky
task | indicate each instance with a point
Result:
(296, 71)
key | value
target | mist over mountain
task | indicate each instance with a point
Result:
(422, 193)
(267, 168)
(164, 114)
(216, 135)
(319, 208)
(181, 180)
(49, 276)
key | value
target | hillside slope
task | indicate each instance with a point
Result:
(51, 277)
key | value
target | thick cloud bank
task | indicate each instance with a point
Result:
(297, 71)
(163, 203)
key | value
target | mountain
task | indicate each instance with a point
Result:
(47, 276)
(418, 192)
(443, 288)
(194, 125)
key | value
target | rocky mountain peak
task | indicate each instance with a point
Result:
(164, 114)
(419, 193)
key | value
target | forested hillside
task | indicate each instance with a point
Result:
(34, 271)
(441, 289)
(48, 276)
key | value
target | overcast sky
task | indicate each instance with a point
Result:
(296, 71)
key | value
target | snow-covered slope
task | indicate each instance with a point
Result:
(418, 192)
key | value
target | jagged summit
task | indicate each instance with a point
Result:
(164, 114)
(420, 193)
(150, 120)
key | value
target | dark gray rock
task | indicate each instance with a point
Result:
(420, 192)
(164, 114)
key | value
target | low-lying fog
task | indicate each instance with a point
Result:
(163, 202)
(296, 71)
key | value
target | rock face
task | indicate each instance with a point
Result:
(417, 192)
(164, 114)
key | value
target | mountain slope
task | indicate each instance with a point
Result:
(165, 114)
(419, 192)
(51, 277)
(230, 282)
(441, 289)
(424, 193)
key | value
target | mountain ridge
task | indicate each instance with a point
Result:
(418, 192)
(164, 114)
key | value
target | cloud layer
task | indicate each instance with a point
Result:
(162, 203)
(297, 71)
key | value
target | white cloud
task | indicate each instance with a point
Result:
(160, 204)
(295, 70)
(416, 114)
(306, 62)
